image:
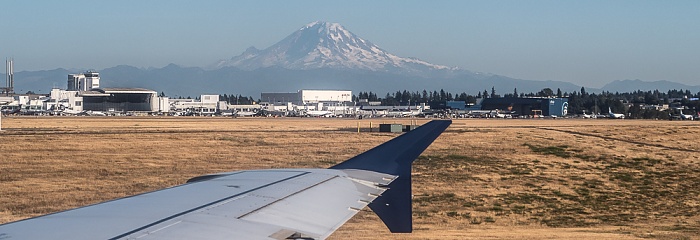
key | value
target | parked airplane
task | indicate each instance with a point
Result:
(95, 113)
(685, 116)
(72, 112)
(254, 204)
(316, 113)
(584, 115)
(408, 113)
(611, 114)
(228, 113)
(680, 116)
(245, 113)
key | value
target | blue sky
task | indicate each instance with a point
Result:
(589, 43)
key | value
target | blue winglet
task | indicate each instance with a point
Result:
(395, 157)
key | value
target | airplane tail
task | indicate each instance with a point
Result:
(610, 110)
(395, 157)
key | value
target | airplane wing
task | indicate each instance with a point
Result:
(253, 204)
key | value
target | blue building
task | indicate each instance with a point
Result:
(521, 106)
(529, 106)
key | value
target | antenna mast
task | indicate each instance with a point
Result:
(9, 77)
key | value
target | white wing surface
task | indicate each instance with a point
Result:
(255, 204)
(264, 204)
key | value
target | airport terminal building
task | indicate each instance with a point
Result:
(84, 94)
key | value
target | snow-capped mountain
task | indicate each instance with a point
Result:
(328, 45)
(318, 56)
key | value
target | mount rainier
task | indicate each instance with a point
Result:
(319, 55)
(328, 45)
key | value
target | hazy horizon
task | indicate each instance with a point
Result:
(588, 43)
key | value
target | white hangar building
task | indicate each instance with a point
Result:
(124, 100)
(304, 97)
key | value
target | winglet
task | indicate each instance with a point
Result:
(395, 157)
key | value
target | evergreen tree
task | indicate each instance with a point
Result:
(462, 97)
(546, 92)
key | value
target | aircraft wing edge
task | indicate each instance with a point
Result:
(395, 157)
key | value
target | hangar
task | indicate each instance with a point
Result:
(529, 106)
(123, 100)
(304, 97)
(520, 106)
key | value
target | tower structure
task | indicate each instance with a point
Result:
(9, 77)
(83, 81)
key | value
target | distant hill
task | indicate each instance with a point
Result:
(193, 81)
(39, 81)
(319, 55)
(180, 81)
(634, 85)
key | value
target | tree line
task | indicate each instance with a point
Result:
(237, 99)
(629, 103)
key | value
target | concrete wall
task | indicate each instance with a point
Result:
(280, 97)
(209, 98)
(314, 96)
(160, 104)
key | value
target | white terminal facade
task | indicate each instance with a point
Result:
(329, 96)
(330, 103)
(83, 94)
(84, 81)
(207, 105)
(308, 102)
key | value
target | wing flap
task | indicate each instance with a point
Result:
(315, 205)
(316, 212)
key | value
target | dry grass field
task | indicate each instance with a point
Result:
(482, 179)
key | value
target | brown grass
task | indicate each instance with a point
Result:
(496, 179)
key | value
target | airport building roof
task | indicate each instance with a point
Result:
(103, 92)
(93, 94)
(127, 90)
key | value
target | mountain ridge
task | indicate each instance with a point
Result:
(328, 45)
(636, 84)
(320, 55)
(175, 80)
